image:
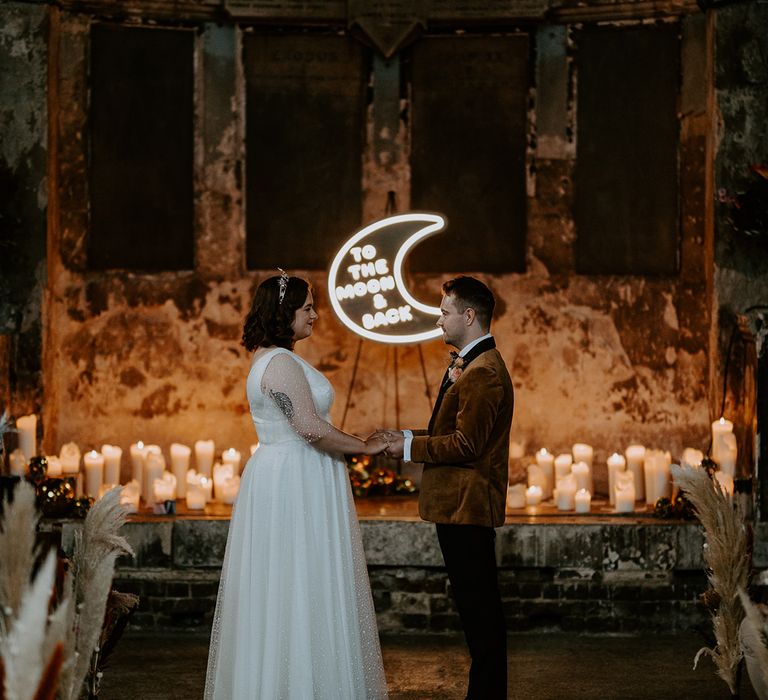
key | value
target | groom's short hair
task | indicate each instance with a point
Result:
(471, 293)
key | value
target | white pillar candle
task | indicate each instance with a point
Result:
(616, 463)
(516, 450)
(27, 429)
(138, 455)
(154, 466)
(193, 478)
(195, 497)
(204, 450)
(54, 466)
(635, 455)
(516, 496)
(533, 495)
(230, 490)
(201, 481)
(719, 428)
(165, 488)
(580, 472)
(231, 456)
(624, 492)
(112, 456)
(657, 476)
(727, 453)
(649, 469)
(582, 501)
(70, 459)
(221, 472)
(546, 462)
(537, 478)
(180, 466)
(691, 458)
(726, 482)
(129, 496)
(664, 476)
(93, 463)
(566, 493)
(18, 462)
(207, 485)
(563, 464)
(583, 453)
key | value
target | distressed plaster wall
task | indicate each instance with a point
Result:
(740, 284)
(23, 200)
(602, 359)
(741, 82)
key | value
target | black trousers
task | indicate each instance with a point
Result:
(470, 558)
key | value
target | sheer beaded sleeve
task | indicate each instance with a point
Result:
(284, 382)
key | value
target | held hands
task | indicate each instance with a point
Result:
(393, 442)
(376, 443)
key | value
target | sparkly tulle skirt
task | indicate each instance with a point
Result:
(294, 617)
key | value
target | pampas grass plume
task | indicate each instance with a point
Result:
(97, 547)
(727, 561)
(17, 548)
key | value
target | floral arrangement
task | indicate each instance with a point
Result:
(456, 367)
(369, 479)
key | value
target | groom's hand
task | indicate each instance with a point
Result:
(396, 441)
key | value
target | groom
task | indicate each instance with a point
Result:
(464, 484)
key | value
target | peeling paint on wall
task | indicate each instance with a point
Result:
(23, 153)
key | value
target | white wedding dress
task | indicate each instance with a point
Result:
(294, 618)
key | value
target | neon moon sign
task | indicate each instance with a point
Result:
(366, 286)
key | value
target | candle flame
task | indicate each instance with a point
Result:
(140, 445)
(543, 451)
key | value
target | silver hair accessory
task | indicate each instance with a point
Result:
(283, 282)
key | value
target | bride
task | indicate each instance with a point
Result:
(294, 617)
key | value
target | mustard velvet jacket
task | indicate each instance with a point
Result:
(466, 456)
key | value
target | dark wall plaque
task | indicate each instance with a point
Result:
(626, 180)
(305, 110)
(140, 176)
(388, 24)
(468, 152)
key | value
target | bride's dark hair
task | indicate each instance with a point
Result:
(269, 320)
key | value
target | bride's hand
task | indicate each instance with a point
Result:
(376, 444)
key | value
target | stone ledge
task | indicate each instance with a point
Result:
(603, 575)
(609, 546)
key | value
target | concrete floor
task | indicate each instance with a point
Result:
(541, 667)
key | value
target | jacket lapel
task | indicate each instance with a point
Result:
(479, 349)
